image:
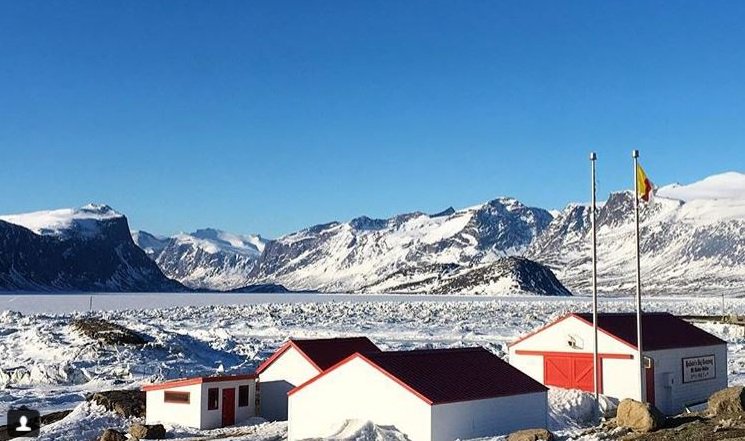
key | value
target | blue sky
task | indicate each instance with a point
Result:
(271, 116)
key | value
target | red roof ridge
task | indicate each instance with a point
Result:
(180, 382)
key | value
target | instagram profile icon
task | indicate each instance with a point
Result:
(23, 422)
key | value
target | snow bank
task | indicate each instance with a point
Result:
(574, 409)
(85, 423)
(360, 430)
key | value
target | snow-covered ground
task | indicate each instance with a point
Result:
(46, 365)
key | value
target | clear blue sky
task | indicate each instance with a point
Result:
(271, 116)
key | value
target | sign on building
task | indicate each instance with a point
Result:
(699, 368)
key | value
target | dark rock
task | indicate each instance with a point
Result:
(263, 288)
(143, 431)
(112, 435)
(531, 435)
(127, 403)
(54, 417)
(107, 332)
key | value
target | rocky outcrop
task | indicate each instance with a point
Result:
(508, 275)
(107, 332)
(127, 403)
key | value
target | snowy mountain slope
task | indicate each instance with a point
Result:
(205, 259)
(151, 244)
(86, 249)
(367, 254)
(691, 244)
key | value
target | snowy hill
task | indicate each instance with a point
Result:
(85, 249)
(204, 259)
(411, 252)
(692, 240)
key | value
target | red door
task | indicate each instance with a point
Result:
(569, 371)
(649, 377)
(228, 407)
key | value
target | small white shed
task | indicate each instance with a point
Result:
(684, 364)
(297, 361)
(429, 395)
(202, 402)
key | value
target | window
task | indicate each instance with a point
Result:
(176, 397)
(243, 396)
(213, 398)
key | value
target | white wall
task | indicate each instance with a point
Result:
(158, 411)
(356, 390)
(621, 378)
(490, 417)
(213, 418)
(287, 371)
(671, 394)
(555, 337)
(531, 365)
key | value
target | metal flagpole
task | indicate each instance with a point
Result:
(635, 155)
(593, 209)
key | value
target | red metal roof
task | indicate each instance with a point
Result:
(324, 352)
(195, 380)
(660, 330)
(451, 375)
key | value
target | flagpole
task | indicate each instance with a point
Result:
(635, 155)
(593, 158)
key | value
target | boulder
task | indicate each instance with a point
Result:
(531, 435)
(639, 417)
(727, 401)
(112, 435)
(143, 431)
(127, 403)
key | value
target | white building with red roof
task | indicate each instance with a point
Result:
(297, 361)
(684, 364)
(429, 395)
(202, 402)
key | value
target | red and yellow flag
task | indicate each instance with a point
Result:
(643, 184)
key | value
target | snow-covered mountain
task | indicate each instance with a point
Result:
(692, 240)
(449, 251)
(85, 249)
(204, 259)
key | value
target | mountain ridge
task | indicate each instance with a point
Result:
(693, 240)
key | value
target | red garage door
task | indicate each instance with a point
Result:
(569, 371)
